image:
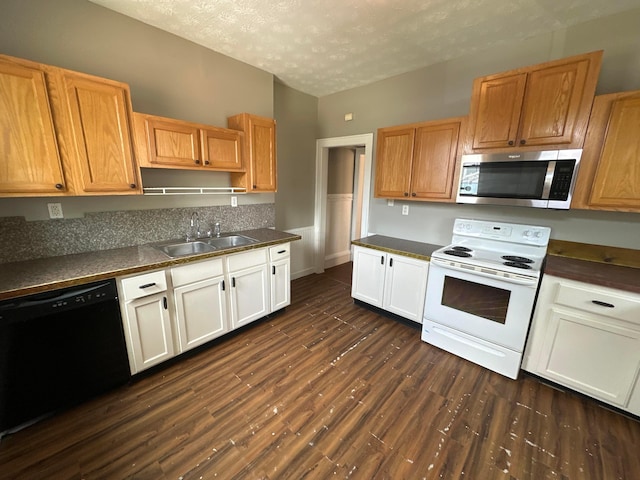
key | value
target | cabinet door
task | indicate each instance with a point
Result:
(617, 178)
(172, 142)
(262, 144)
(249, 295)
(148, 328)
(200, 312)
(405, 286)
(553, 105)
(222, 149)
(394, 157)
(101, 132)
(280, 284)
(31, 161)
(590, 355)
(497, 103)
(434, 161)
(368, 275)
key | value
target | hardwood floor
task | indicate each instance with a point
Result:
(328, 389)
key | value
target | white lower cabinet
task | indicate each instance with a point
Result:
(147, 323)
(395, 283)
(248, 287)
(168, 312)
(200, 303)
(280, 270)
(587, 337)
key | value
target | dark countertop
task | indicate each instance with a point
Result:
(409, 248)
(596, 273)
(33, 276)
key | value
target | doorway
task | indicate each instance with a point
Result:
(362, 187)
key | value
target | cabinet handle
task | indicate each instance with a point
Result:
(197, 162)
(233, 282)
(391, 262)
(273, 270)
(603, 304)
(255, 186)
(223, 285)
(206, 162)
(510, 142)
(523, 141)
(59, 186)
(147, 285)
(282, 251)
(164, 302)
(132, 185)
(382, 260)
(406, 194)
(413, 194)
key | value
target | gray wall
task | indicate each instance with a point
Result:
(340, 170)
(296, 115)
(168, 76)
(444, 90)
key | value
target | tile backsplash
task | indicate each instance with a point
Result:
(22, 240)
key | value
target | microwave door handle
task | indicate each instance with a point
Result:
(548, 180)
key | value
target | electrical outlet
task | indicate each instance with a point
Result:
(405, 209)
(234, 201)
(55, 210)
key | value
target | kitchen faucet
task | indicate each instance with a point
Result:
(216, 229)
(193, 232)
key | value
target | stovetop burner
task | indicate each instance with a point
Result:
(524, 266)
(457, 252)
(516, 259)
(460, 248)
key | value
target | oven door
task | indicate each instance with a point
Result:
(482, 305)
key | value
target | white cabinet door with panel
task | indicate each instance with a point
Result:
(248, 286)
(280, 270)
(146, 320)
(587, 337)
(200, 302)
(395, 283)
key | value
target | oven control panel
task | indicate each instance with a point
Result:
(510, 232)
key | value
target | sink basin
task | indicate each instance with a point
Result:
(229, 241)
(185, 248)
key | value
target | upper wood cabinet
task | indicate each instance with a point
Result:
(545, 105)
(609, 174)
(259, 151)
(418, 161)
(170, 143)
(64, 132)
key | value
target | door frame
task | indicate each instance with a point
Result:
(322, 171)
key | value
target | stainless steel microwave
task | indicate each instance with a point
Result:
(543, 179)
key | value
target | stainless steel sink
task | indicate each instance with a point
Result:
(182, 249)
(229, 241)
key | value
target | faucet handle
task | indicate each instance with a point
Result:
(216, 229)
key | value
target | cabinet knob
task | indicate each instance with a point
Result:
(413, 194)
(406, 194)
(255, 186)
(523, 141)
(59, 186)
(197, 162)
(510, 142)
(206, 162)
(132, 185)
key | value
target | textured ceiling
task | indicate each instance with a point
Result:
(324, 46)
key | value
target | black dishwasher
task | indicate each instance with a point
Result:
(57, 349)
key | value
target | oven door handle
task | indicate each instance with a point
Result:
(507, 277)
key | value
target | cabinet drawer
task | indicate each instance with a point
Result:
(143, 285)
(279, 251)
(600, 301)
(194, 272)
(248, 259)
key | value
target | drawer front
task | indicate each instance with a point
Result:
(243, 260)
(279, 251)
(195, 272)
(143, 285)
(600, 301)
